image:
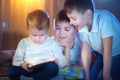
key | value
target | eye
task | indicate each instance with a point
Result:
(67, 29)
(57, 28)
(42, 35)
(34, 35)
(73, 18)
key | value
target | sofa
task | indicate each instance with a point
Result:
(5, 61)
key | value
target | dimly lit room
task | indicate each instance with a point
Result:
(13, 26)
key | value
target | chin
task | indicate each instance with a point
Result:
(38, 43)
(80, 28)
(63, 41)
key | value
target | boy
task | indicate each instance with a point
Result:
(65, 34)
(37, 49)
(100, 30)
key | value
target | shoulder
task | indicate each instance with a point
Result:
(52, 41)
(77, 39)
(106, 22)
(53, 44)
(24, 41)
(103, 18)
(103, 15)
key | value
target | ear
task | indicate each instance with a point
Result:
(88, 13)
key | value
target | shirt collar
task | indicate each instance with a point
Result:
(84, 30)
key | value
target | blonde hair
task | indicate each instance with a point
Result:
(38, 19)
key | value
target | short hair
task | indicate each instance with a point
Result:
(38, 19)
(79, 5)
(62, 17)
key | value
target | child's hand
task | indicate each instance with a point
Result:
(25, 66)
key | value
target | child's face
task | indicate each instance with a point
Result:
(64, 32)
(38, 36)
(77, 19)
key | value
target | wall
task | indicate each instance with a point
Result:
(6, 32)
(53, 7)
(0, 25)
(111, 5)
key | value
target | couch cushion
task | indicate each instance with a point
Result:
(5, 60)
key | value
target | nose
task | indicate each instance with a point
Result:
(37, 38)
(71, 22)
(62, 34)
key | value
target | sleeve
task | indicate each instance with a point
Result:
(82, 34)
(18, 58)
(78, 40)
(59, 55)
(107, 25)
(83, 38)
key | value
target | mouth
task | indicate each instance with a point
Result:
(37, 42)
(61, 40)
(77, 26)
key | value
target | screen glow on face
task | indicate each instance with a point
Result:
(77, 19)
(38, 36)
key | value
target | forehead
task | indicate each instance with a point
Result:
(36, 31)
(74, 13)
(63, 24)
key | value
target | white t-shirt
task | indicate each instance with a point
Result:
(104, 25)
(27, 51)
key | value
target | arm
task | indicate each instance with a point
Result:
(59, 55)
(61, 59)
(67, 55)
(18, 58)
(86, 58)
(107, 57)
(66, 51)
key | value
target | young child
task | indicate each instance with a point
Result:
(36, 49)
(67, 37)
(100, 30)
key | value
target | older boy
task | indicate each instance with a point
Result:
(100, 30)
(37, 49)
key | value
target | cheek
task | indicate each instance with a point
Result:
(71, 32)
(43, 38)
(69, 35)
(79, 21)
(56, 33)
(57, 36)
(32, 38)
